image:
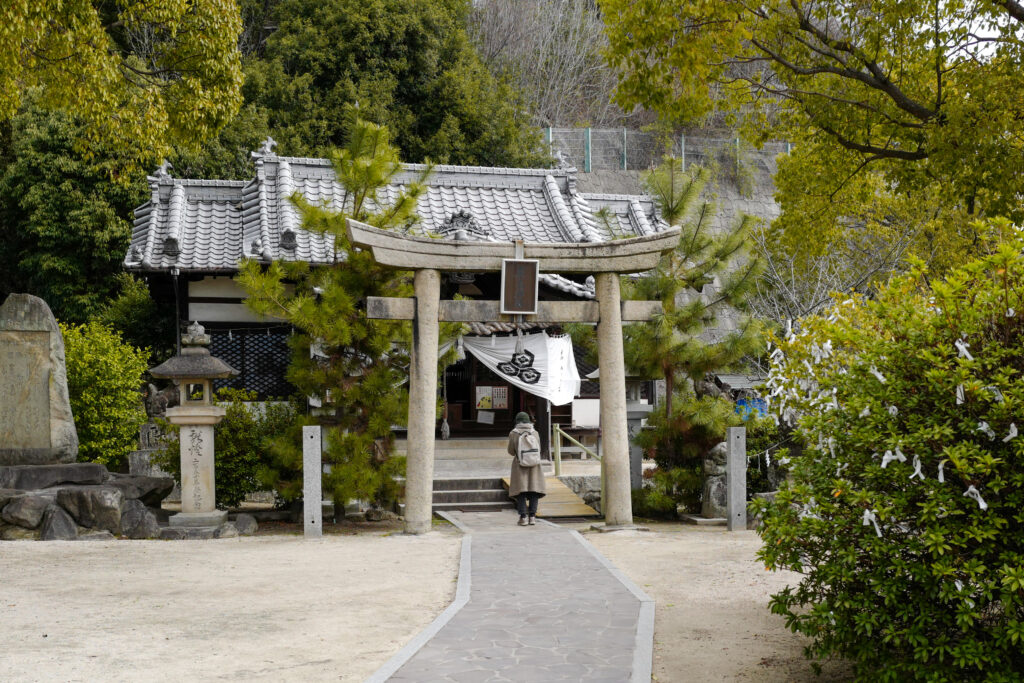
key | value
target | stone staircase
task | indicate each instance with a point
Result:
(471, 494)
(470, 474)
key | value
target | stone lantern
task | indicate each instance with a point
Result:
(192, 371)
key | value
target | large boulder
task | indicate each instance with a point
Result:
(150, 490)
(27, 509)
(32, 477)
(57, 525)
(137, 521)
(36, 425)
(96, 507)
(246, 524)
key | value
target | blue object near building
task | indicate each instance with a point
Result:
(747, 407)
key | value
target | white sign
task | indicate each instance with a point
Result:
(485, 417)
(499, 398)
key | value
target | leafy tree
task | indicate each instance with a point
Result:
(696, 283)
(350, 363)
(904, 115)
(63, 232)
(703, 279)
(903, 515)
(410, 67)
(104, 377)
(139, 73)
(140, 320)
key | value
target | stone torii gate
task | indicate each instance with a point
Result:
(429, 257)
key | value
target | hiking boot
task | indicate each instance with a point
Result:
(522, 521)
(533, 520)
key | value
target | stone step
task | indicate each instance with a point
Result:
(484, 443)
(475, 507)
(471, 496)
(476, 483)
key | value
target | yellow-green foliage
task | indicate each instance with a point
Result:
(904, 515)
(139, 73)
(104, 376)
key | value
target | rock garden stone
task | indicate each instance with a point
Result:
(379, 515)
(246, 524)
(7, 494)
(93, 535)
(27, 509)
(137, 521)
(57, 525)
(97, 507)
(36, 424)
(33, 477)
(162, 516)
(714, 501)
(187, 533)
(226, 530)
(17, 533)
(149, 490)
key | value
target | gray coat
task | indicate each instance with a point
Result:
(523, 478)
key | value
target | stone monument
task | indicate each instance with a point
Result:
(36, 424)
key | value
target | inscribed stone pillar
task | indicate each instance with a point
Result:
(618, 508)
(419, 468)
(197, 473)
(36, 425)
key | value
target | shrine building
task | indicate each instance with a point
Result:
(191, 236)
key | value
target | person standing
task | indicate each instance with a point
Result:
(526, 484)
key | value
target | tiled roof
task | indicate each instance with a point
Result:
(211, 225)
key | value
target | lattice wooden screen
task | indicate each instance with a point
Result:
(260, 356)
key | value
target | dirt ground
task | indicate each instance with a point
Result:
(277, 607)
(711, 618)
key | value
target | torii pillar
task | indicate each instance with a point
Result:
(429, 257)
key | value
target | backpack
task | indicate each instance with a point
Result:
(528, 450)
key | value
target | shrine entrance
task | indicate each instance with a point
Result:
(427, 258)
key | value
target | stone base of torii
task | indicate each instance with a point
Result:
(429, 257)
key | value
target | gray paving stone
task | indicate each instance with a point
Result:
(541, 608)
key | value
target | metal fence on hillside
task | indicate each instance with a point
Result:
(620, 149)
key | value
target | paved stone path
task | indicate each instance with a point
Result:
(543, 607)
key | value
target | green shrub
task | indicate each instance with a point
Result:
(768, 447)
(905, 513)
(679, 443)
(104, 376)
(667, 488)
(241, 444)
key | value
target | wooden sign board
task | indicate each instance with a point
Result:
(520, 279)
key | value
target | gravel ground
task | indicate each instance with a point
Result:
(711, 619)
(277, 607)
(272, 607)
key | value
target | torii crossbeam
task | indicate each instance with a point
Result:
(429, 257)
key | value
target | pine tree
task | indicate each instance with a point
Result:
(702, 278)
(355, 367)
